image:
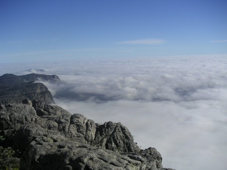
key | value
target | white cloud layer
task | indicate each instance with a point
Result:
(177, 105)
(143, 42)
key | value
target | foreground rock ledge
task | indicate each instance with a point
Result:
(48, 137)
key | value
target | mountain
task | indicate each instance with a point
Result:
(43, 137)
(13, 89)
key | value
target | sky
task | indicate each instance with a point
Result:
(47, 30)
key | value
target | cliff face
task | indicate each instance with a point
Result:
(14, 88)
(48, 137)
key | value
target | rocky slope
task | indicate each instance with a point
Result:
(45, 136)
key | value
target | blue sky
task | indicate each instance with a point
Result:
(70, 29)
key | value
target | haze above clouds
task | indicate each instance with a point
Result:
(176, 104)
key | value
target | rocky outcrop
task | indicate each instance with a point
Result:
(49, 137)
(13, 89)
(38, 135)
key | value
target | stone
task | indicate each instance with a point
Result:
(57, 139)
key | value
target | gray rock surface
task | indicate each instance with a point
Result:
(49, 137)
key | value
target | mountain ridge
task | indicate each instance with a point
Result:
(13, 88)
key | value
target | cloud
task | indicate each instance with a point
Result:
(143, 42)
(154, 80)
(177, 105)
(218, 41)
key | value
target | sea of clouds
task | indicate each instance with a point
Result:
(176, 104)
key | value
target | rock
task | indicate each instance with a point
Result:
(27, 101)
(152, 155)
(52, 138)
(116, 137)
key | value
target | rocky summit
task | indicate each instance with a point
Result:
(44, 136)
